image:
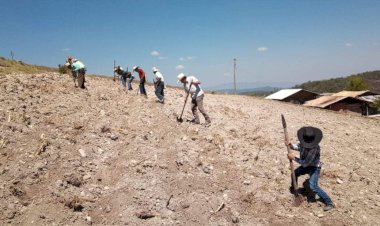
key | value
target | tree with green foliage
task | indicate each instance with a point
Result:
(356, 83)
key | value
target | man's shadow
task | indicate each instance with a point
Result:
(306, 192)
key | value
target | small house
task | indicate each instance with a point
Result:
(297, 96)
(340, 103)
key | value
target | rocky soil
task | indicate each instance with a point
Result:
(105, 157)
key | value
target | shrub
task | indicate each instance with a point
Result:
(356, 83)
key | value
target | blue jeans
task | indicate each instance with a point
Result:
(160, 91)
(142, 88)
(129, 80)
(123, 81)
(314, 172)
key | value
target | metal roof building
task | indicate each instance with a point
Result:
(298, 96)
(340, 103)
(345, 93)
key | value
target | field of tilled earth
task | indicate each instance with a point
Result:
(101, 156)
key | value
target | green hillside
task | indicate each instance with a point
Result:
(14, 66)
(372, 78)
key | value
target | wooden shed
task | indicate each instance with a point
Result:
(340, 103)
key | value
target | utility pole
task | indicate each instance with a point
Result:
(12, 55)
(235, 75)
(114, 65)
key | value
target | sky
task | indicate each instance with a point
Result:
(291, 41)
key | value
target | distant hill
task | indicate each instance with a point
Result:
(264, 89)
(14, 66)
(372, 78)
(250, 88)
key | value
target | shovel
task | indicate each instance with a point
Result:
(179, 119)
(297, 197)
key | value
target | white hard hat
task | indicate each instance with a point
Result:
(154, 69)
(181, 76)
(135, 67)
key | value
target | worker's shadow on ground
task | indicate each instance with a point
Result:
(307, 192)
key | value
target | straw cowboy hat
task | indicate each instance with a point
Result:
(309, 136)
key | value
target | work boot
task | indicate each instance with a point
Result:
(329, 207)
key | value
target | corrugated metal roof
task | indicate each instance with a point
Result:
(325, 101)
(370, 98)
(282, 94)
(345, 93)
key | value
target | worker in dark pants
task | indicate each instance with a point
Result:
(125, 77)
(142, 79)
(159, 85)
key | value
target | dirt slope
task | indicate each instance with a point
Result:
(102, 157)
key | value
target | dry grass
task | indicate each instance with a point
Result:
(13, 66)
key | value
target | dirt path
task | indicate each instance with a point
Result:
(101, 157)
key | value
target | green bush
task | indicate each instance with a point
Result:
(356, 83)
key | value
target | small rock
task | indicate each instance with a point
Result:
(145, 215)
(82, 153)
(100, 151)
(114, 137)
(246, 182)
(339, 181)
(59, 183)
(86, 177)
(207, 169)
(11, 214)
(108, 209)
(184, 138)
(320, 215)
(74, 180)
(76, 163)
(40, 166)
(185, 205)
(89, 220)
(209, 138)
(235, 220)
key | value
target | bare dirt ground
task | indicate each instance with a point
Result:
(104, 157)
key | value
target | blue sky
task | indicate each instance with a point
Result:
(282, 40)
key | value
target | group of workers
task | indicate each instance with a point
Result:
(191, 85)
(309, 137)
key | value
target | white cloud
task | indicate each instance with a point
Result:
(348, 44)
(179, 67)
(154, 53)
(262, 49)
(66, 49)
(186, 58)
(162, 58)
